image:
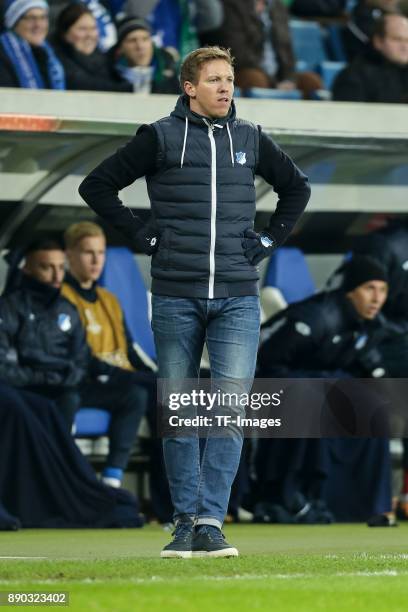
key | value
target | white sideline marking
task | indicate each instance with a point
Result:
(23, 557)
(389, 573)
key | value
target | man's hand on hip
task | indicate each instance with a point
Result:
(147, 238)
(258, 246)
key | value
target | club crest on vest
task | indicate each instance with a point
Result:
(240, 157)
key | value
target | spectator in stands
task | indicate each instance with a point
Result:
(103, 14)
(360, 28)
(137, 60)
(26, 59)
(44, 479)
(177, 23)
(119, 376)
(318, 8)
(76, 44)
(257, 32)
(329, 335)
(381, 73)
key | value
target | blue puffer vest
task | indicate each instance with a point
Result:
(203, 200)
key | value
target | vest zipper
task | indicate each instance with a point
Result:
(213, 209)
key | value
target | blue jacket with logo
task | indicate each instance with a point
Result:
(42, 341)
(323, 335)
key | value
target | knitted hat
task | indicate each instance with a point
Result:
(362, 269)
(14, 9)
(129, 24)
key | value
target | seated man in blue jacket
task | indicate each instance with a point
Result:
(389, 245)
(331, 334)
(43, 349)
(42, 343)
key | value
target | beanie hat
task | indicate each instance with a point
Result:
(16, 8)
(129, 24)
(361, 269)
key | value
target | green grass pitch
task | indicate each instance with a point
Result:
(284, 568)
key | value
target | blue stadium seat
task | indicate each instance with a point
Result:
(288, 271)
(92, 422)
(122, 276)
(308, 43)
(273, 94)
(329, 71)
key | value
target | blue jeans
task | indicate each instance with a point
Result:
(200, 487)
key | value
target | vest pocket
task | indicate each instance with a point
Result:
(161, 257)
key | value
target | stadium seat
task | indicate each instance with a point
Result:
(308, 43)
(122, 276)
(273, 94)
(329, 71)
(91, 422)
(287, 270)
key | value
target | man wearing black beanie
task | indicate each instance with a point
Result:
(319, 334)
(137, 59)
(333, 334)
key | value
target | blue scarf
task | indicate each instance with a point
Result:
(21, 56)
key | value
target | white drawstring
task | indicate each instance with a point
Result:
(231, 147)
(207, 123)
(184, 143)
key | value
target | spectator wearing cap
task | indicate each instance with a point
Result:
(76, 44)
(177, 23)
(329, 335)
(138, 61)
(26, 59)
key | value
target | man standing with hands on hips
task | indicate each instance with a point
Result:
(200, 164)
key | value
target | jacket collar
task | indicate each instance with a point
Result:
(182, 110)
(90, 295)
(375, 57)
(41, 293)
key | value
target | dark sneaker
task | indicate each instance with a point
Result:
(209, 541)
(180, 546)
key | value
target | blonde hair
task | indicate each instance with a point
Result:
(191, 67)
(76, 232)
